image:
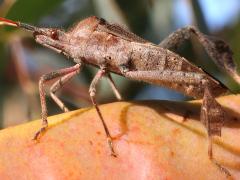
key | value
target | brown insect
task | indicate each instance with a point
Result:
(114, 49)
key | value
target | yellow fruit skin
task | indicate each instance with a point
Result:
(153, 140)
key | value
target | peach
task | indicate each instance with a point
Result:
(152, 139)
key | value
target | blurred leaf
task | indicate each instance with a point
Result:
(136, 13)
(113, 14)
(31, 11)
(5, 6)
(199, 16)
(161, 20)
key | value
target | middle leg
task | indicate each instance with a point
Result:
(113, 86)
(92, 92)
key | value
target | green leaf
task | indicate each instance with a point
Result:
(30, 11)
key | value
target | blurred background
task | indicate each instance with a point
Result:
(22, 61)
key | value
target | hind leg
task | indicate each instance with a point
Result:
(212, 115)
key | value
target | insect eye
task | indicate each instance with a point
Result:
(54, 34)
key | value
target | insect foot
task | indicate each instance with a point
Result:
(39, 133)
(110, 143)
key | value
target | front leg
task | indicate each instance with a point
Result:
(45, 78)
(59, 84)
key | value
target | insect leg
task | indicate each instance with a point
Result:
(92, 92)
(175, 39)
(59, 84)
(212, 116)
(45, 78)
(114, 88)
(165, 76)
(216, 48)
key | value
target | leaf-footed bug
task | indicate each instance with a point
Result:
(114, 49)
